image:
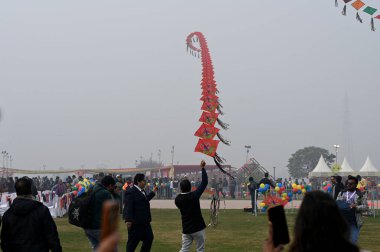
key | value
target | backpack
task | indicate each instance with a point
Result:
(80, 210)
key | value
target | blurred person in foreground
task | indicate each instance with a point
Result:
(27, 224)
(193, 225)
(319, 227)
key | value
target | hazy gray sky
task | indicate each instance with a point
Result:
(103, 82)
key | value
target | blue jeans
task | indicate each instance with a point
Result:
(354, 233)
(93, 236)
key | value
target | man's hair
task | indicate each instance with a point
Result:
(185, 185)
(101, 174)
(250, 179)
(138, 177)
(108, 180)
(353, 178)
(338, 179)
(23, 186)
(266, 174)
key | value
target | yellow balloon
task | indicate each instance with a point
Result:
(284, 194)
(262, 204)
(262, 185)
(299, 187)
(303, 190)
(277, 188)
(294, 185)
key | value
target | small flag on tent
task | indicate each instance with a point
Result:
(358, 5)
(369, 10)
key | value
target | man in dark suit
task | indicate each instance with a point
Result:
(137, 215)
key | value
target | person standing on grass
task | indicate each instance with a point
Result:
(356, 203)
(102, 192)
(137, 215)
(252, 187)
(27, 225)
(193, 225)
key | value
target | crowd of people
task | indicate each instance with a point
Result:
(325, 219)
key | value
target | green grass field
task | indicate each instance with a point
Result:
(237, 231)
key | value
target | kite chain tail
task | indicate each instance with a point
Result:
(219, 110)
(344, 11)
(336, 3)
(222, 124)
(372, 25)
(358, 17)
(221, 138)
(218, 161)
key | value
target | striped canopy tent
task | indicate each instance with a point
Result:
(369, 169)
(321, 170)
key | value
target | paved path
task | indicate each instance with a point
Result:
(230, 204)
(205, 204)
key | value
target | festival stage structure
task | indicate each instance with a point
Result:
(251, 169)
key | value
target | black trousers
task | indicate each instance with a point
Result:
(139, 233)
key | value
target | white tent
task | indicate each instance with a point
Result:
(369, 169)
(346, 168)
(321, 170)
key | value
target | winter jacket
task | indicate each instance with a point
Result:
(189, 206)
(101, 194)
(28, 226)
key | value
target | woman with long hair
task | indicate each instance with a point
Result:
(319, 227)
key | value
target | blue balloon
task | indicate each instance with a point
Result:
(279, 185)
(266, 186)
(299, 192)
(290, 195)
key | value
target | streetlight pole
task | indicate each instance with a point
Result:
(247, 147)
(274, 173)
(10, 161)
(336, 146)
(172, 155)
(4, 153)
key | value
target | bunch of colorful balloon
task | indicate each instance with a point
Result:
(327, 187)
(263, 188)
(280, 189)
(300, 189)
(82, 187)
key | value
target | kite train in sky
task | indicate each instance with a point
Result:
(211, 107)
(358, 5)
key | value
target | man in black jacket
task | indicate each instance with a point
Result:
(27, 224)
(193, 225)
(102, 192)
(266, 180)
(137, 215)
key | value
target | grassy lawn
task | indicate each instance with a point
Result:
(238, 231)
